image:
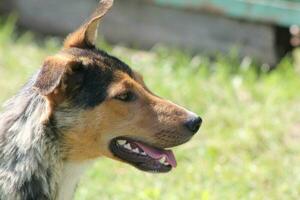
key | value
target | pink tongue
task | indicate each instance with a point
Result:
(158, 154)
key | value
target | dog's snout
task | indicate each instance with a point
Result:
(193, 124)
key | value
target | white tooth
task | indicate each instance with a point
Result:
(166, 163)
(143, 153)
(127, 146)
(121, 142)
(136, 150)
(162, 160)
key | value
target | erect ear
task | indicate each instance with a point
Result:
(51, 75)
(86, 35)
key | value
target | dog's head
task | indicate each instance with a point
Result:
(103, 107)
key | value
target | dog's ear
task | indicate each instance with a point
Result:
(86, 35)
(54, 71)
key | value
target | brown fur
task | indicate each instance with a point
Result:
(86, 35)
(149, 118)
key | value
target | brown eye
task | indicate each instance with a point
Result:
(126, 97)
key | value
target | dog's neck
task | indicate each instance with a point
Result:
(71, 174)
(31, 163)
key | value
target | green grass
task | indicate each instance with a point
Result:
(248, 147)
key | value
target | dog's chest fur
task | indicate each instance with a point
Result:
(70, 177)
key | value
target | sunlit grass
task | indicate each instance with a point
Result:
(248, 147)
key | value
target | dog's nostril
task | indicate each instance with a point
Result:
(194, 124)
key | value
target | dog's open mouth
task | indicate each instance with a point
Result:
(143, 156)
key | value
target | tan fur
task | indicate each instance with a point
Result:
(52, 72)
(87, 33)
(149, 119)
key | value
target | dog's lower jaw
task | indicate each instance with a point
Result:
(71, 174)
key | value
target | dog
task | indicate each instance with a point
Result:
(83, 104)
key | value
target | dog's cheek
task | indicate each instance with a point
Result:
(80, 146)
(111, 118)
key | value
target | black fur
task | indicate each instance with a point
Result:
(92, 89)
(93, 80)
(32, 189)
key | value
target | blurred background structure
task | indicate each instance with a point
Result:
(258, 28)
(215, 60)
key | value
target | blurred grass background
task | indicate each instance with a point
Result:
(248, 147)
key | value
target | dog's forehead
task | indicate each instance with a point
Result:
(100, 58)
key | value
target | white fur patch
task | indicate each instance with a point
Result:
(72, 172)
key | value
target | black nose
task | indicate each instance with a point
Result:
(193, 124)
